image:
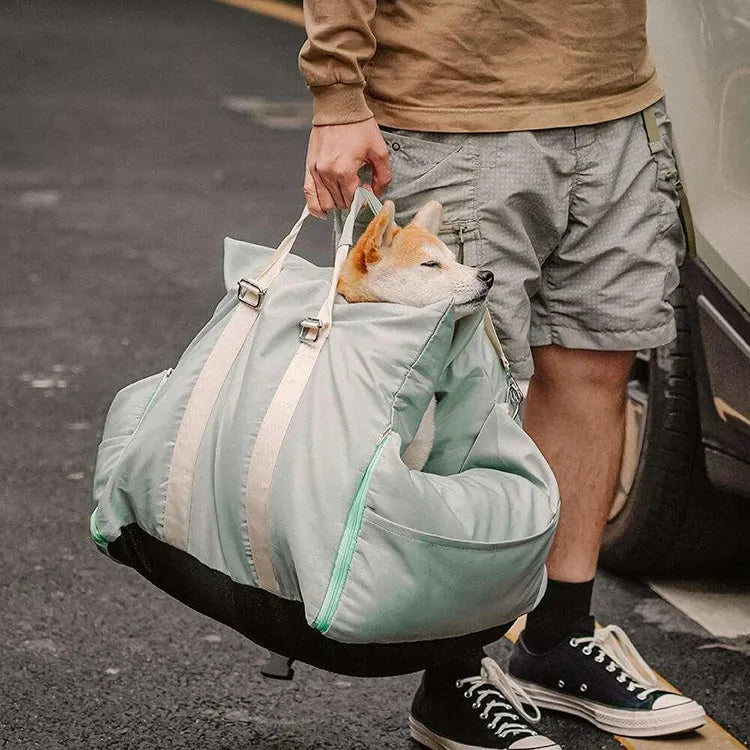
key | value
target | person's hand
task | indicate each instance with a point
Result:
(335, 154)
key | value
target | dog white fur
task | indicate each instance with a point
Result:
(411, 266)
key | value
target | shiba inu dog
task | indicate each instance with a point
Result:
(411, 266)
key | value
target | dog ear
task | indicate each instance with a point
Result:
(379, 234)
(429, 217)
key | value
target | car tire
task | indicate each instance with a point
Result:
(667, 519)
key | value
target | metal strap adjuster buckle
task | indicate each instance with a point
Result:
(309, 329)
(245, 291)
(515, 395)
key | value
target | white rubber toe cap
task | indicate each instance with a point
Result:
(670, 700)
(534, 743)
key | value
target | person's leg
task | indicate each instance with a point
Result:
(575, 412)
(576, 415)
(604, 294)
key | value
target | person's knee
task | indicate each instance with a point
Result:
(558, 370)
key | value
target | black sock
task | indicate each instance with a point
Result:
(564, 610)
(467, 665)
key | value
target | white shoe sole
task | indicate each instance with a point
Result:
(630, 723)
(428, 738)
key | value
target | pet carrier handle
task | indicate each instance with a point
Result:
(271, 269)
(362, 196)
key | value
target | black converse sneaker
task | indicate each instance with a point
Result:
(475, 713)
(599, 676)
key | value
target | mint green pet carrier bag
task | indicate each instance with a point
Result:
(261, 481)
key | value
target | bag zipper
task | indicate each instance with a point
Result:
(164, 377)
(348, 542)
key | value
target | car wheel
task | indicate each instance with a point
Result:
(666, 518)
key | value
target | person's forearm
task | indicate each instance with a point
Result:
(339, 44)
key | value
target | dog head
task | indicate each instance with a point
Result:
(410, 265)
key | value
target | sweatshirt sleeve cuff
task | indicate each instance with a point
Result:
(339, 103)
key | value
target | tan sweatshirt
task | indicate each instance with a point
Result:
(477, 65)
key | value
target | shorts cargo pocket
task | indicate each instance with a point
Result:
(432, 166)
(666, 187)
(672, 238)
(464, 240)
(666, 169)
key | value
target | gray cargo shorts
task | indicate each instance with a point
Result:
(579, 226)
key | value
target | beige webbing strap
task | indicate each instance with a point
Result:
(686, 217)
(197, 412)
(203, 397)
(313, 334)
(266, 453)
(655, 142)
(274, 427)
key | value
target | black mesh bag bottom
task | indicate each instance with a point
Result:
(279, 624)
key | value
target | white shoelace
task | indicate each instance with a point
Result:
(612, 642)
(494, 684)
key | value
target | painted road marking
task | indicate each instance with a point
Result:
(281, 11)
(721, 609)
(710, 737)
(278, 115)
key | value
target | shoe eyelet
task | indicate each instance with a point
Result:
(573, 642)
(396, 146)
(458, 683)
(560, 684)
(475, 704)
(586, 650)
(584, 687)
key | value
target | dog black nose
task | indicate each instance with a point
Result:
(486, 276)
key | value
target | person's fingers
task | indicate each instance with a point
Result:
(332, 177)
(325, 199)
(381, 168)
(311, 196)
(334, 156)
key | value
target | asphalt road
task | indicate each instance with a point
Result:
(122, 166)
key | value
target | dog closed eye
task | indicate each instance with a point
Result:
(431, 264)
